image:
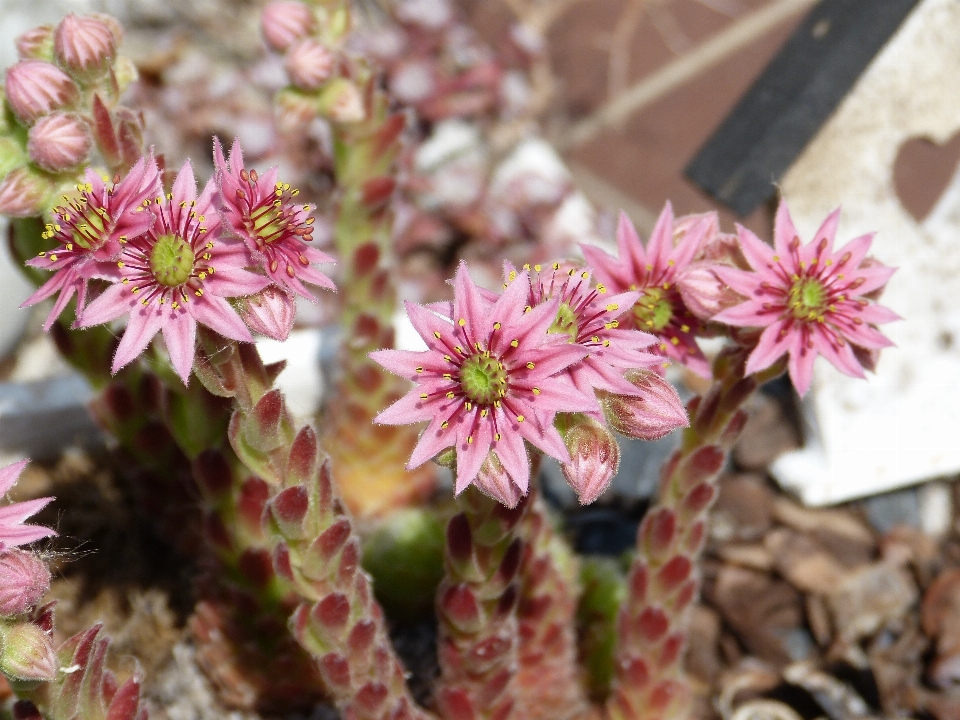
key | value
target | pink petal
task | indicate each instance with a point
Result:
(607, 268)
(18, 512)
(801, 364)
(234, 282)
(747, 314)
(470, 455)
(180, 335)
(744, 282)
(409, 409)
(547, 439)
(827, 231)
(468, 307)
(24, 534)
(755, 250)
(876, 277)
(405, 362)
(217, 314)
(784, 233)
(116, 301)
(9, 475)
(878, 314)
(691, 242)
(433, 441)
(660, 245)
(841, 357)
(770, 348)
(513, 456)
(144, 323)
(426, 324)
(858, 249)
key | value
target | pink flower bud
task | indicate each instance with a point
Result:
(594, 458)
(59, 141)
(341, 101)
(25, 192)
(85, 45)
(26, 652)
(703, 292)
(656, 412)
(270, 312)
(24, 580)
(284, 23)
(494, 481)
(35, 88)
(36, 44)
(309, 64)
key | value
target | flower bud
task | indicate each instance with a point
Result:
(85, 45)
(36, 44)
(656, 412)
(26, 652)
(309, 64)
(594, 458)
(283, 23)
(270, 312)
(59, 141)
(24, 580)
(25, 192)
(494, 481)
(35, 88)
(703, 292)
(341, 101)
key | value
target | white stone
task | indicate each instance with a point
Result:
(901, 426)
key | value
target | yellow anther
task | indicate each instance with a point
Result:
(685, 328)
(530, 366)
(612, 306)
(520, 418)
(536, 391)
(514, 343)
(675, 340)
(461, 322)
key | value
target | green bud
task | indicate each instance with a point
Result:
(26, 652)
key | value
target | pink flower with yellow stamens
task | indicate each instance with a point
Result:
(13, 532)
(810, 298)
(491, 378)
(261, 211)
(176, 274)
(654, 272)
(590, 318)
(90, 231)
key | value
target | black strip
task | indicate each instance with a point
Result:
(791, 100)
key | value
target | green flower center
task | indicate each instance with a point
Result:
(171, 261)
(565, 322)
(483, 379)
(807, 299)
(653, 311)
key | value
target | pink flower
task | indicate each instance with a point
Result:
(90, 231)
(309, 64)
(588, 318)
(491, 378)
(594, 458)
(654, 272)
(176, 274)
(270, 312)
(24, 580)
(261, 212)
(13, 533)
(810, 298)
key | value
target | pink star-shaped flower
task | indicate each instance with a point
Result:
(654, 272)
(261, 211)
(176, 274)
(590, 318)
(810, 298)
(13, 532)
(491, 378)
(89, 231)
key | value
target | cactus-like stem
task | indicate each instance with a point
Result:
(663, 580)
(549, 682)
(477, 610)
(369, 466)
(313, 549)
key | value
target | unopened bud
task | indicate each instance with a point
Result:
(35, 88)
(36, 44)
(59, 141)
(341, 101)
(270, 312)
(309, 64)
(283, 23)
(594, 458)
(703, 292)
(24, 580)
(494, 481)
(655, 412)
(25, 192)
(26, 652)
(85, 45)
